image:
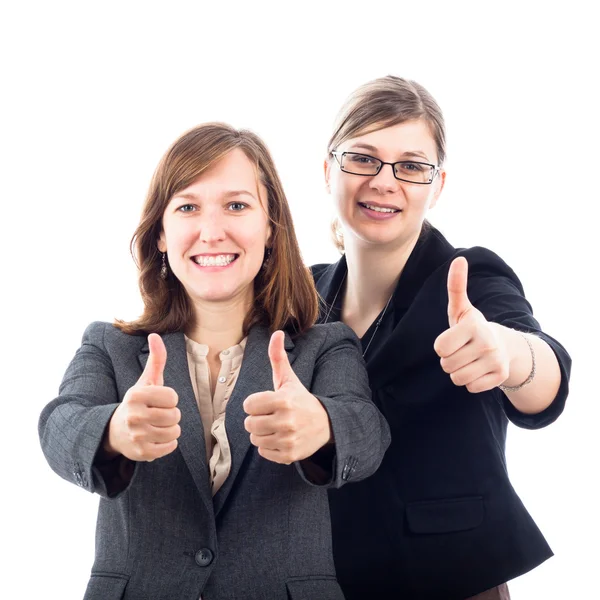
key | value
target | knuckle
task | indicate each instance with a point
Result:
(287, 444)
(288, 424)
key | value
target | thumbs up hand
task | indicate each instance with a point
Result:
(145, 426)
(289, 423)
(472, 350)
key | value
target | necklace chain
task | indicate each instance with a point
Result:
(376, 324)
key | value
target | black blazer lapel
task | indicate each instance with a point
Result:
(191, 442)
(255, 376)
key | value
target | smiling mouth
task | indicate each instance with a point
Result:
(380, 209)
(215, 260)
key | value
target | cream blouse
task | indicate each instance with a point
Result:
(212, 408)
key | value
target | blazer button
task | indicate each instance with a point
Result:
(204, 557)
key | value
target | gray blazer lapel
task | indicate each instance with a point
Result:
(255, 376)
(191, 442)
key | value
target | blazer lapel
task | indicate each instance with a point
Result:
(191, 442)
(255, 376)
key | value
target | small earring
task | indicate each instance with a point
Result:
(163, 269)
(267, 259)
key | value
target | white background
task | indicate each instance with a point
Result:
(93, 94)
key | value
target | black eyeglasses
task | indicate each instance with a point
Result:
(410, 171)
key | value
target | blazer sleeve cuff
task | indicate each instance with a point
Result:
(552, 412)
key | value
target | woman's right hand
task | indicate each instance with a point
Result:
(145, 426)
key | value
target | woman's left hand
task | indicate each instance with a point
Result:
(473, 350)
(289, 423)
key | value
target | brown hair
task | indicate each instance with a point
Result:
(285, 296)
(382, 103)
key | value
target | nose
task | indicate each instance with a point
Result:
(385, 182)
(212, 228)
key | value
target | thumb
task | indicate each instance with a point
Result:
(153, 373)
(282, 370)
(458, 301)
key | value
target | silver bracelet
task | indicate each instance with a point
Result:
(507, 388)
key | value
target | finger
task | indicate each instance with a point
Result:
(157, 396)
(159, 450)
(164, 417)
(261, 403)
(274, 456)
(458, 301)
(266, 442)
(260, 425)
(163, 435)
(282, 370)
(453, 339)
(153, 372)
(485, 383)
(471, 372)
(461, 358)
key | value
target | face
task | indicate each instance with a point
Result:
(215, 232)
(380, 209)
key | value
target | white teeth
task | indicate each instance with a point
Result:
(221, 260)
(380, 209)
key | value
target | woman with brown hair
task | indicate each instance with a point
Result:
(187, 421)
(453, 354)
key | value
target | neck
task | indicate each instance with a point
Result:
(373, 273)
(219, 325)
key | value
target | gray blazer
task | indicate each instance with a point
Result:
(160, 534)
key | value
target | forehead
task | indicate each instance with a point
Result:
(234, 171)
(408, 137)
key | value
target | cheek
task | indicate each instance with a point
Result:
(419, 198)
(343, 191)
(179, 235)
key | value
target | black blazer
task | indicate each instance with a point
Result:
(439, 519)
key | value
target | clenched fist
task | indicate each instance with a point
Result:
(288, 424)
(145, 426)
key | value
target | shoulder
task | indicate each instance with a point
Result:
(486, 266)
(328, 336)
(318, 271)
(109, 337)
(482, 260)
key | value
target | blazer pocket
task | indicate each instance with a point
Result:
(106, 586)
(323, 587)
(445, 515)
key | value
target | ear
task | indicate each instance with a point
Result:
(440, 186)
(327, 173)
(162, 244)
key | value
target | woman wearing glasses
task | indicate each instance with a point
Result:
(453, 353)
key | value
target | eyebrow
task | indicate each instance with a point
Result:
(228, 194)
(408, 153)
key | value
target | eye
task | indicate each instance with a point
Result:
(237, 206)
(185, 208)
(361, 159)
(414, 167)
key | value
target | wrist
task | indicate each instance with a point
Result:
(522, 365)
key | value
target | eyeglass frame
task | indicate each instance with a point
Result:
(436, 168)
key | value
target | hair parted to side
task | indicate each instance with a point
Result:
(382, 103)
(284, 292)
